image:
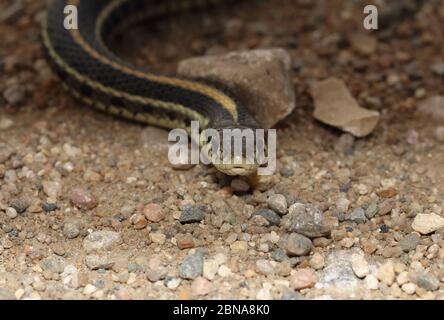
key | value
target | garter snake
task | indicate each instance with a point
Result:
(99, 78)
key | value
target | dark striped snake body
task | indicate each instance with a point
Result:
(94, 74)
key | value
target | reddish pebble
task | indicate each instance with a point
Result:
(201, 287)
(83, 199)
(154, 212)
(185, 242)
(303, 279)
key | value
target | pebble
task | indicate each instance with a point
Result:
(138, 221)
(264, 267)
(239, 246)
(363, 43)
(270, 98)
(409, 288)
(192, 266)
(439, 133)
(185, 242)
(20, 205)
(386, 273)
(52, 189)
(201, 287)
(335, 106)
(224, 271)
(53, 264)
(372, 210)
(158, 237)
(426, 280)
(82, 199)
(317, 261)
(191, 214)
(101, 240)
(427, 223)
(154, 212)
(338, 272)
(344, 144)
(15, 95)
(358, 216)
(71, 230)
(298, 245)
(437, 68)
(95, 262)
(278, 203)
(359, 265)
(302, 279)
(11, 212)
(49, 207)
(271, 216)
(306, 219)
(173, 283)
(6, 124)
(409, 242)
(342, 204)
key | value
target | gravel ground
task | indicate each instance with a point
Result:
(90, 207)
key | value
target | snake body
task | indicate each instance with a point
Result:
(94, 74)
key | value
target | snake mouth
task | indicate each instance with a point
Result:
(236, 169)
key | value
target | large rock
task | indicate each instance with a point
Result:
(335, 106)
(260, 79)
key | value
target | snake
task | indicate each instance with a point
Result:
(86, 66)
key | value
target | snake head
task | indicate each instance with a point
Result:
(233, 150)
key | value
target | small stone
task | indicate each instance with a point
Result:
(303, 279)
(335, 106)
(427, 281)
(427, 223)
(278, 203)
(385, 207)
(201, 287)
(192, 266)
(387, 193)
(386, 273)
(240, 185)
(15, 95)
(437, 68)
(344, 145)
(173, 283)
(260, 78)
(154, 212)
(409, 242)
(359, 265)
(6, 124)
(191, 214)
(89, 289)
(11, 212)
(342, 204)
(52, 189)
(317, 261)
(239, 246)
(358, 216)
(158, 237)
(71, 230)
(19, 205)
(269, 215)
(138, 221)
(94, 262)
(409, 288)
(185, 242)
(298, 245)
(101, 240)
(91, 176)
(264, 267)
(210, 268)
(307, 220)
(49, 207)
(83, 199)
(372, 210)
(263, 294)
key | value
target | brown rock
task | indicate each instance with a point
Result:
(154, 212)
(261, 79)
(303, 279)
(82, 199)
